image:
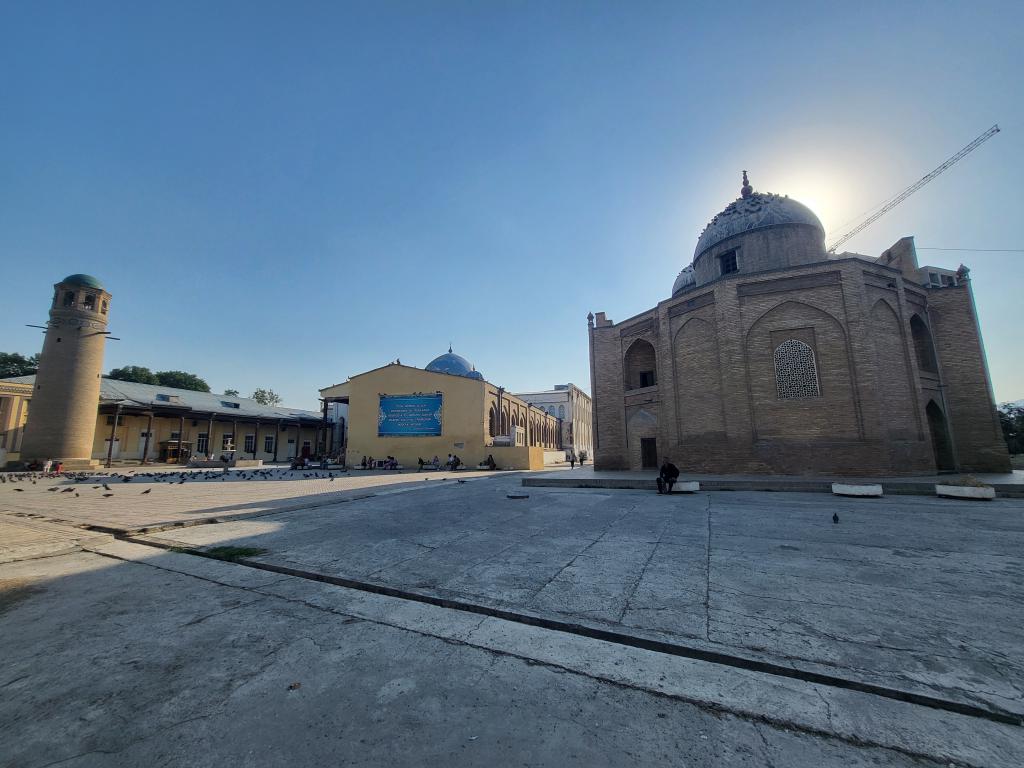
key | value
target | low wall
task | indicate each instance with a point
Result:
(518, 457)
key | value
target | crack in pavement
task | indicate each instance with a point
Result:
(604, 532)
(707, 577)
(753, 717)
(643, 572)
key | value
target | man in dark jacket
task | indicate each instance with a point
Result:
(667, 477)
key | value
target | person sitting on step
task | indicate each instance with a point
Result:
(667, 477)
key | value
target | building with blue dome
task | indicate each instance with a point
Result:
(773, 355)
(453, 364)
(444, 408)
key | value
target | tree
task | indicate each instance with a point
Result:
(231, 392)
(13, 364)
(136, 373)
(181, 380)
(266, 397)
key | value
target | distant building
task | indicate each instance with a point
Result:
(171, 425)
(772, 355)
(572, 405)
(447, 407)
(68, 412)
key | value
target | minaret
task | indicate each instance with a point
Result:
(62, 415)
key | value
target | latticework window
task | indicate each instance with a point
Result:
(796, 375)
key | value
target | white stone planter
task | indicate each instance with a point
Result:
(686, 487)
(845, 489)
(985, 493)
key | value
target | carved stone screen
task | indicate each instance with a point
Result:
(796, 375)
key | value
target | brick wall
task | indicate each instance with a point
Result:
(970, 409)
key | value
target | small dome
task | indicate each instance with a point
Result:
(685, 280)
(751, 211)
(87, 281)
(456, 365)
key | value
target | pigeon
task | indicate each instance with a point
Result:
(68, 490)
(95, 487)
(20, 490)
(146, 491)
(107, 495)
(55, 488)
(835, 518)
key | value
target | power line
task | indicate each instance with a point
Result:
(974, 250)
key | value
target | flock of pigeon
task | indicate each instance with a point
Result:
(167, 478)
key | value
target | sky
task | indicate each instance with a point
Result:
(284, 194)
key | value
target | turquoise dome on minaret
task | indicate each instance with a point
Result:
(87, 281)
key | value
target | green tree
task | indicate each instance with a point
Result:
(136, 373)
(266, 397)
(13, 364)
(231, 392)
(181, 380)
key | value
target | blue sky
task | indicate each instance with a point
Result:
(284, 194)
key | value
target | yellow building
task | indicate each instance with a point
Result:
(165, 424)
(446, 408)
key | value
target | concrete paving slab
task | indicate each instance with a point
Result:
(135, 500)
(24, 538)
(136, 661)
(913, 593)
(1007, 484)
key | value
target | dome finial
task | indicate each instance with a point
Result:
(746, 189)
(449, 348)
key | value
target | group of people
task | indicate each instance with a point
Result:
(453, 462)
(49, 466)
(370, 463)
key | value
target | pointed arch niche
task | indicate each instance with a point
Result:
(698, 380)
(820, 356)
(639, 366)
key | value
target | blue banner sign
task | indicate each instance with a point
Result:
(409, 415)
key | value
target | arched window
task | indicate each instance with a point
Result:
(926, 360)
(491, 419)
(640, 366)
(561, 411)
(796, 375)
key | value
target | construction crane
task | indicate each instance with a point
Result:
(893, 202)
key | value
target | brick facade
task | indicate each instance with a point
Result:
(716, 405)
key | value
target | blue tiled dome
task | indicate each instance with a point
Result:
(453, 364)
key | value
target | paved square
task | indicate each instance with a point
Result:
(913, 593)
(129, 654)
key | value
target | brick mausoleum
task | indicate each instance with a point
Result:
(773, 355)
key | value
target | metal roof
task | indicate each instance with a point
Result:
(133, 394)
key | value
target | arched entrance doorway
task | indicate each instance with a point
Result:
(941, 442)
